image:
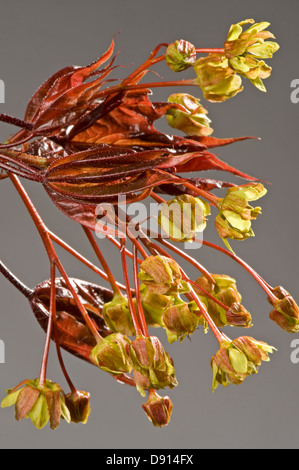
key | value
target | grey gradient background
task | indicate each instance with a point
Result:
(36, 39)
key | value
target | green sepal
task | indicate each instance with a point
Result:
(39, 414)
(238, 360)
(10, 399)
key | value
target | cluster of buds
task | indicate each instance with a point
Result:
(219, 74)
(168, 310)
(153, 368)
(246, 49)
(237, 359)
(158, 409)
(151, 365)
(180, 319)
(224, 289)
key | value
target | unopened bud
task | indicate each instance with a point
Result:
(110, 354)
(161, 275)
(153, 306)
(158, 409)
(179, 321)
(286, 310)
(117, 315)
(78, 405)
(180, 55)
(224, 290)
(153, 365)
(237, 315)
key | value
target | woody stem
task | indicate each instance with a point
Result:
(15, 281)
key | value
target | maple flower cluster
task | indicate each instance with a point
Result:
(88, 139)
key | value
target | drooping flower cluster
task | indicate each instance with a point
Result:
(89, 139)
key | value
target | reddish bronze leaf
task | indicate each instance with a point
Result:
(72, 333)
(209, 161)
(65, 96)
(211, 142)
(134, 117)
(84, 214)
(96, 193)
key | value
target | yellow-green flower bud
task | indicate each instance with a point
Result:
(245, 49)
(180, 55)
(78, 405)
(191, 118)
(238, 359)
(183, 217)
(286, 310)
(111, 354)
(225, 290)
(161, 275)
(152, 366)
(153, 306)
(179, 320)
(158, 409)
(255, 351)
(42, 403)
(237, 315)
(216, 78)
(117, 315)
(235, 214)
